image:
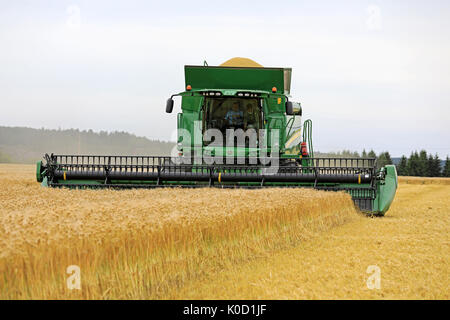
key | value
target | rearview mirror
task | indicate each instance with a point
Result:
(169, 105)
(289, 108)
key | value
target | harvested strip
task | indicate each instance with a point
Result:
(423, 180)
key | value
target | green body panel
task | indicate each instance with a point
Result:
(202, 77)
(39, 176)
(386, 190)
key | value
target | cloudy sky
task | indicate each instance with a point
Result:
(370, 74)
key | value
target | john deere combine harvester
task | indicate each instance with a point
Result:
(236, 128)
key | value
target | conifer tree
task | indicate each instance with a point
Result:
(402, 167)
(446, 171)
(422, 164)
(413, 169)
(364, 154)
(430, 166)
(437, 166)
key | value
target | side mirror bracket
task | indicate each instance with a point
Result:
(169, 105)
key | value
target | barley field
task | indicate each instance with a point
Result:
(210, 243)
(143, 244)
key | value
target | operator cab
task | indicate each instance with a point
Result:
(224, 113)
(244, 115)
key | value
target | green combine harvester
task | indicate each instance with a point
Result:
(237, 129)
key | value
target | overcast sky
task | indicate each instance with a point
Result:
(370, 74)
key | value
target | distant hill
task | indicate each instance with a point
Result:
(27, 145)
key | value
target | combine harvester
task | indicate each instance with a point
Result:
(236, 128)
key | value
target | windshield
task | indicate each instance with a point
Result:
(232, 113)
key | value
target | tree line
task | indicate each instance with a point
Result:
(420, 164)
(28, 145)
(423, 165)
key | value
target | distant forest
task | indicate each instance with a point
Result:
(27, 145)
(420, 164)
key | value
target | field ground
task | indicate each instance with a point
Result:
(410, 245)
(205, 244)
